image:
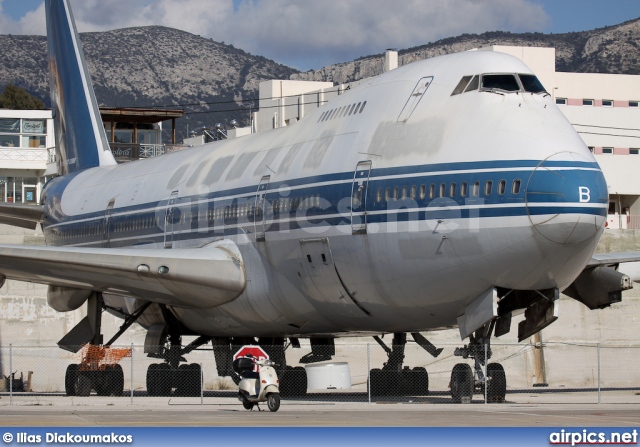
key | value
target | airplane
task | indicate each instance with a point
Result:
(450, 192)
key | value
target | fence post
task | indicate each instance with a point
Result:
(131, 374)
(598, 372)
(369, 371)
(486, 360)
(10, 374)
(201, 385)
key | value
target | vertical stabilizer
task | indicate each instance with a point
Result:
(81, 141)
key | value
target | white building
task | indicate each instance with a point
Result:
(25, 137)
(602, 107)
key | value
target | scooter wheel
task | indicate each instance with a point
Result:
(247, 405)
(273, 401)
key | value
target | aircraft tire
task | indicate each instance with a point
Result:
(83, 385)
(102, 382)
(497, 385)
(461, 382)
(164, 379)
(70, 379)
(115, 380)
(152, 380)
(419, 381)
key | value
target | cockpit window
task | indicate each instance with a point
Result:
(531, 83)
(505, 82)
(461, 85)
(473, 85)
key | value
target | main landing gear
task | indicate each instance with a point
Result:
(465, 381)
(99, 369)
(393, 378)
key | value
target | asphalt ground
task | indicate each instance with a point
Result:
(531, 409)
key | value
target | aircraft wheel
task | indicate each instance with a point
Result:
(164, 381)
(496, 383)
(461, 382)
(83, 385)
(102, 382)
(70, 379)
(419, 381)
(273, 401)
(152, 380)
(188, 383)
(115, 380)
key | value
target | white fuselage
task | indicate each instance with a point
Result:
(336, 218)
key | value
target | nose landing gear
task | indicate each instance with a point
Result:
(465, 381)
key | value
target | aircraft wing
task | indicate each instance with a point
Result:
(613, 258)
(19, 215)
(194, 277)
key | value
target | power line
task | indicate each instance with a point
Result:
(606, 127)
(608, 134)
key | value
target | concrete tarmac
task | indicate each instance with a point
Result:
(94, 411)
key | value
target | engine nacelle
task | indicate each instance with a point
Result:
(64, 299)
(599, 287)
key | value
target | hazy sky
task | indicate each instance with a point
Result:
(309, 34)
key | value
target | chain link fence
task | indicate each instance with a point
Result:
(516, 373)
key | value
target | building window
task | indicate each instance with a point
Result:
(634, 151)
(587, 102)
(607, 150)
(633, 103)
(591, 149)
(561, 101)
(607, 103)
(29, 133)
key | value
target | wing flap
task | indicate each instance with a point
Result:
(19, 215)
(192, 278)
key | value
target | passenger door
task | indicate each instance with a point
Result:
(359, 190)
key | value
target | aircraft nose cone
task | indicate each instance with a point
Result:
(567, 198)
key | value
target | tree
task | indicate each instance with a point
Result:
(17, 98)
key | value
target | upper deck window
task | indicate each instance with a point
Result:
(505, 82)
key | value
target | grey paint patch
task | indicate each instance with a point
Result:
(267, 162)
(318, 152)
(217, 169)
(177, 176)
(289, 158)
(241, 165)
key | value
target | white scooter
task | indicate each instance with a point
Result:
(256, 387)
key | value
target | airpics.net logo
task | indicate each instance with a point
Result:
(587, 437)
(66, 438)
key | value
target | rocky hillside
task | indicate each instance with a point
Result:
(158, 66)
(614, 49)
(151, 66)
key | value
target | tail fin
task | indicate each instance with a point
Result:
(80, 137)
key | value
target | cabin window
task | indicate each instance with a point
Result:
(387, 194)
(404, 192)
(476, 188)
(395, 193)
(487, 187)
(423, 191)
(502, 186)
(432, 191)
(515, 188)
(463, 189)
(379, 195)
(452, 190)
(443, 189)
(413, 192)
